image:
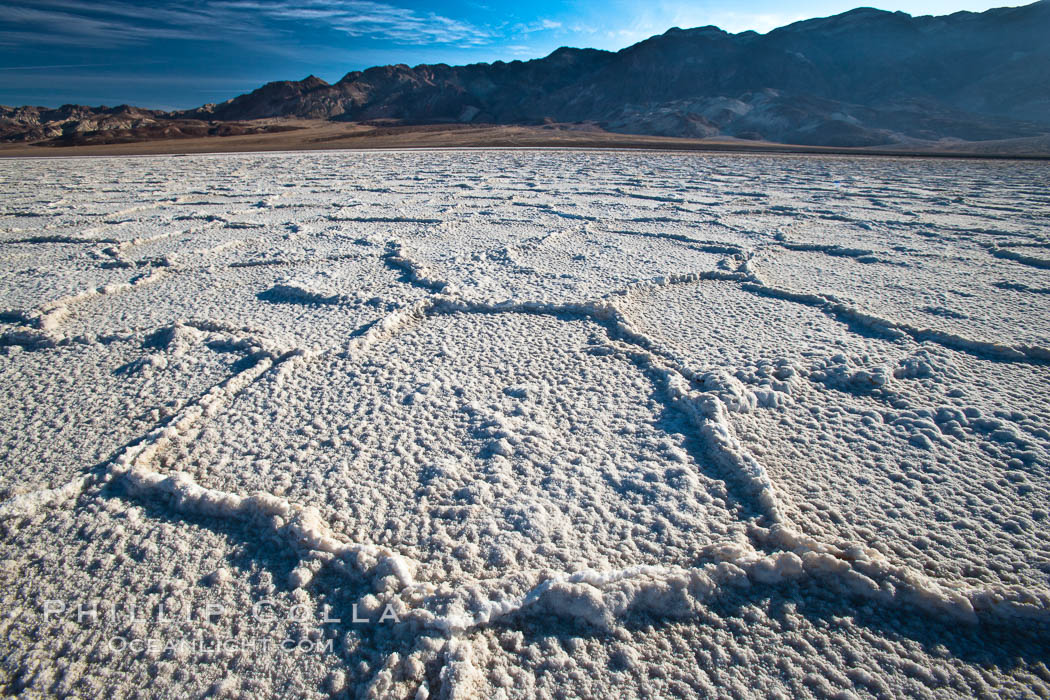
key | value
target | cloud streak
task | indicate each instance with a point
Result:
(366, 18)
(109, 24)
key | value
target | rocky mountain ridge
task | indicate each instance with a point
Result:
(862, 78)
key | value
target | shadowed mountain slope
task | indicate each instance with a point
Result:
(862, 78)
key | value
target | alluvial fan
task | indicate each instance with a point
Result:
(524, 424)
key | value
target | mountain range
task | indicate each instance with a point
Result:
(866, 77)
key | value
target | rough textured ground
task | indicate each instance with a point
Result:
(529, 424)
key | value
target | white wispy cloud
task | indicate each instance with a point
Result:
(366, 18)
(111, 23)
(520, 50)
(542, 25)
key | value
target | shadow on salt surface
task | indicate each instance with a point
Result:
(797, 641)
(563, 264)
(713, 324)
(34, 274)
(182, 246)
(914, 471)
(71, 407)
(932, 455)
(126, 560)
(954, 293)
(479, 444)
(231, 296)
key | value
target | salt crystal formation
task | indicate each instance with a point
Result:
(524, 424)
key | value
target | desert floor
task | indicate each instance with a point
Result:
(310, 135)
(515, 423)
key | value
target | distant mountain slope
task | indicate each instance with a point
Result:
(40, 123)
(76, 125)
(862, 78)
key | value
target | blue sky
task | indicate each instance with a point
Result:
(184, 53)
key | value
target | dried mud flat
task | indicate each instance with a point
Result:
(528, 424)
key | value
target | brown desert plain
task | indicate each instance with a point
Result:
(306, 135)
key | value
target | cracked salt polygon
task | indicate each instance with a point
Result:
(484, 400)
